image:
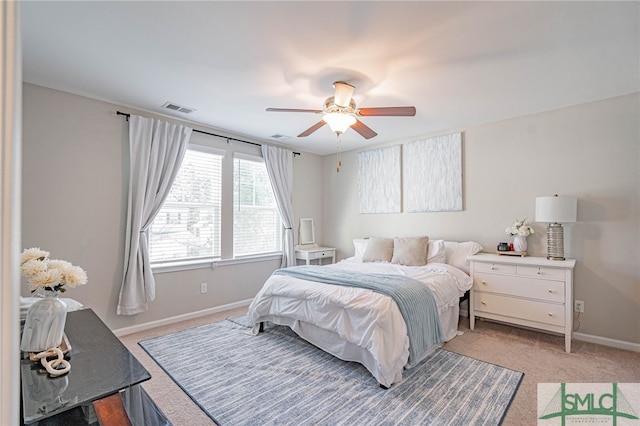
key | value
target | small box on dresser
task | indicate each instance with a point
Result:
(527, 291)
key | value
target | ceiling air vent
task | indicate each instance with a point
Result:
(176, 107)
(279, 136)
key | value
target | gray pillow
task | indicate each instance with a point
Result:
(411, 251)
(378, 250)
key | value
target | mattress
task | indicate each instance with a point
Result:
(356, 324)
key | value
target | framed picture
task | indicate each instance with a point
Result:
(380, 180)
(433, 174)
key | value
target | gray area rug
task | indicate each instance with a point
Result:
(276, 378)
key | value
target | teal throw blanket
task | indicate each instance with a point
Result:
(414, 299)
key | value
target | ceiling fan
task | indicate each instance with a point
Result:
(340, 112)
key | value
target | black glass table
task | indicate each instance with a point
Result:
(101, 366)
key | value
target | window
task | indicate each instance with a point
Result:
(257, 227)
(188, 224)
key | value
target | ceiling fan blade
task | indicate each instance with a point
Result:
(403, 111)
(364, 130)
(315, 111)
(312, 129)
(343, 93)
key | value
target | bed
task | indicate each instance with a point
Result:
(363, 324)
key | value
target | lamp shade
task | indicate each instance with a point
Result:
(556, 209)
(339, 122)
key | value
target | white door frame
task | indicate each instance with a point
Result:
(10, 200)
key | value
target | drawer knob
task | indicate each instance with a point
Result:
(483, 282)
(493, 267)
(550, 314)
(539, 271)
(550, 291)
(484, 303)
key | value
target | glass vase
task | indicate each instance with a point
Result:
(519, 243)
(44, 325)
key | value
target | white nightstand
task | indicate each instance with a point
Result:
(528, 291)
(316, 253)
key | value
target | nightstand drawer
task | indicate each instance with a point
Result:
(552, 291)
(546, 313)
(495, 268)
(316, 253)
(541, 272)
(320, 254)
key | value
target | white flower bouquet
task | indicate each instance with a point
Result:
(49, 274)
(520, 227)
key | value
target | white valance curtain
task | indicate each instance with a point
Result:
(279, 164)
(156, 151)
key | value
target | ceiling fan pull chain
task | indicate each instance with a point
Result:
(338, 154)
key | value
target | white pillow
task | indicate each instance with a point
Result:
(360, 245)
(457, 253)
(378, 250)
(436, 252)
(411, 251)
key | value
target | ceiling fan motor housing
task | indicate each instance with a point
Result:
(330, 106)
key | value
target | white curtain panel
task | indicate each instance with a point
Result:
(279, 163)
(156, 150)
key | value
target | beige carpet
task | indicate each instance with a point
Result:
(540, 356)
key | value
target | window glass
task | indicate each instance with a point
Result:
(257, 227)
(188, 224)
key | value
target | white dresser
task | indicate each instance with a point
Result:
(316, 253)
(527, 291)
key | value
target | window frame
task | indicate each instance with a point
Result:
(226, 220)
(193, 263)
(255, 159)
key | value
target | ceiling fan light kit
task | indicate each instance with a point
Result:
(340, 112)
(339, 122)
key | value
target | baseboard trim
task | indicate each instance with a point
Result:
(605, 341)
(172, 320)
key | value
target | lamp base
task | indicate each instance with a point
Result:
(555, 242)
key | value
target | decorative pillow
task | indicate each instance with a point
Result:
(411, 251)
(360, 245)
(457, 253)
(378, 250)
(436, 252)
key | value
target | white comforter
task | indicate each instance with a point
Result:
(352, 323)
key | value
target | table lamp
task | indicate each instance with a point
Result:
(556, 210)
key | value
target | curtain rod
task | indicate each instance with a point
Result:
(210, 134)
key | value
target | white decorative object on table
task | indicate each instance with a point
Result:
(519, 243)
(44, 324)
(519, 231)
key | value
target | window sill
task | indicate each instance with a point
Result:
(162, 268)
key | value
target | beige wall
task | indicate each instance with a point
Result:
(591, 151)
(74, 203)
(74, 194)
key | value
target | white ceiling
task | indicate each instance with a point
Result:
(459, 63)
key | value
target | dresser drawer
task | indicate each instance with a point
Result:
(552, 291)
(546, 313)
(494, 268)
(541, 272)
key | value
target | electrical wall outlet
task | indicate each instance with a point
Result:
(203, 288)
(578, 306)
